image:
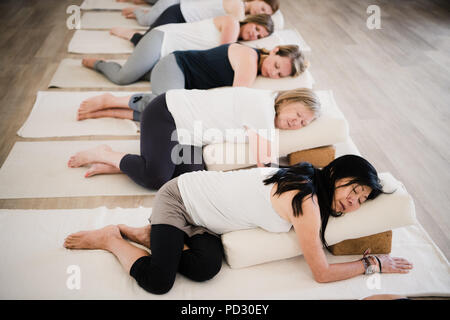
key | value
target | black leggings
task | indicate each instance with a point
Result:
(155, 166)
(201, 262)
(172, 14)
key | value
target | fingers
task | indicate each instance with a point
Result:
(402, 262)
(394, 264)
(402, 265)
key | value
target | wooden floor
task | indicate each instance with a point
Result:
(392, 84)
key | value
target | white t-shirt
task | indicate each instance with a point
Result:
(196, 10)
(229, 201)
(219, 115)
(200, 35)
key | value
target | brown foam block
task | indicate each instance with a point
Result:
(318, 157)
(379, 243)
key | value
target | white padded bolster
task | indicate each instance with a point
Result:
(330, 128)
(388, 211)
(280, 37)
(278, 20)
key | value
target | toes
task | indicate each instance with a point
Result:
(72, 163)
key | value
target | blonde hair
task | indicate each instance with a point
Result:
(304, 95)
(298, 59)
(263, 20)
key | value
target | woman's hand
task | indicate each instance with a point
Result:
(394, 265)
(260, 148)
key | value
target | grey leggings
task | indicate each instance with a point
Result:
(147, 18)
(139, 65)
(166, 75)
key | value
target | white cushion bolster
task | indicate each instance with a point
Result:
(329, 129)
(388, 211)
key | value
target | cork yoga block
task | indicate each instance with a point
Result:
(318, 157)
(379, 243)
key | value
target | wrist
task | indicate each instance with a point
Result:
(370, 265)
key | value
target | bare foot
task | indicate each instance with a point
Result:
(123, 33)
(139, 235)
(101, 168)
(89, 62)
(88, 156)
(118, 113)
(94, 239)
(96, 103)
(128, 10)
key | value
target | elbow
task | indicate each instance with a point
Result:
(321, 276)
(319, 279)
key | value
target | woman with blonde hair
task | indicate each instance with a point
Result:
(166, 39)
(176, 125)
(181, 11)
(234, 65)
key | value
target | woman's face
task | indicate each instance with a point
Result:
(253, 31)
(349, 198)
(275, 66)
(259, 7)
(293, 116)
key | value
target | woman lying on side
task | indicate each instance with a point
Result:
(176, 125)
(227, 65)
(192, 211)
(160, 42)
(181, 11)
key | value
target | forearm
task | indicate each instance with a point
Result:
(341, 271)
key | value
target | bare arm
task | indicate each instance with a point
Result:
(307, 228)
(228, 27)
(235, 8)
(244, 61)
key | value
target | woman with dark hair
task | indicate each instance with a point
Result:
(201, 35)
(227, 65)
(189, 213)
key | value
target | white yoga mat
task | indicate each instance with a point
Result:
(108, 20)
(280, 37)
(109, 5)
(35, 265)
(93, 41)
(39, 170)
(71, 74)
(54, 114)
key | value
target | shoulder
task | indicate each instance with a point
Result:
(226, 20)
(234, 7)
(239, 50)
(310, 212)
